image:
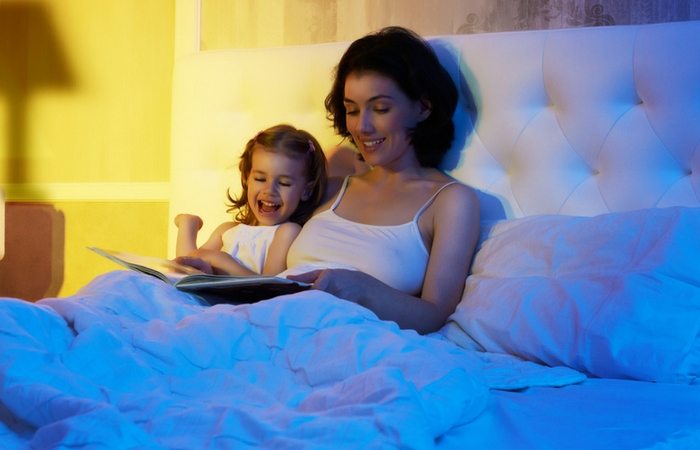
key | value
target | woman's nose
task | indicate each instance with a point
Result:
(366, 123)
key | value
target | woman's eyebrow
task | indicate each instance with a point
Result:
(371, 99)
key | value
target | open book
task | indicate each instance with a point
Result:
(212, 288)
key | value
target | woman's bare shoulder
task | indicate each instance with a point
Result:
(459, 188)
(344, 160)
(332, 188)
(452, 186)
(457, 202)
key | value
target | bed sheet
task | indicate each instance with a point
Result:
(596, 414)
(130, 362)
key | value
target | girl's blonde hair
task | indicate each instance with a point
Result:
(294, 143)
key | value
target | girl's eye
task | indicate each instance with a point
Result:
(381, 110)
(351, 112)
(285, 184)
(259, 180)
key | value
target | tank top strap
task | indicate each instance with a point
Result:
(431, 199)
(339, 197)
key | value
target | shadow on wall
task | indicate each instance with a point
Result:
(31, 59)
(465, 120)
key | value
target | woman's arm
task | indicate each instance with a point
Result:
(455, 215)
(456, 234)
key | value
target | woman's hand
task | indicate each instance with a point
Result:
(386, 302)
(347, 284)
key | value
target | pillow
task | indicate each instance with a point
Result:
(614, 296)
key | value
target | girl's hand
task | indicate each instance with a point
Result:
(217, 262)
(188, 221)
(197, 263)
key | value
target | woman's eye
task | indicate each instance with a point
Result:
(381, 110)
(351, 112)
(259, 180)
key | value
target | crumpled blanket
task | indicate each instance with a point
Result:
(130, 362)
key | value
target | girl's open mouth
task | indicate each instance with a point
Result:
(268, 207)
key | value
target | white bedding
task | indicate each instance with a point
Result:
(598, 414)
(615, 295)
(130, 362)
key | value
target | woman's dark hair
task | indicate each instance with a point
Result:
(294, 143)
(407, 59)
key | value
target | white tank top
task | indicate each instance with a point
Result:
(394, 254)
(248, 244)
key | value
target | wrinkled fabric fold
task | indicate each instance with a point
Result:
(130, 362)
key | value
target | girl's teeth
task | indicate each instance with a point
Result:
(268, 206)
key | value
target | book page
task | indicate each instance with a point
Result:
(165, 269)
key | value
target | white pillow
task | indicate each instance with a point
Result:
(615, 296)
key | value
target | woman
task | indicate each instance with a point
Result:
(399, 238)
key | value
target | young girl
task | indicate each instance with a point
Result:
(283, 175)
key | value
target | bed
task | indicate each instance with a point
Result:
(579, 324)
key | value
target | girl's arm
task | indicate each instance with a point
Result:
(455, 235)
(188, 225)
(276, 260)
(223, 263)
(216, 240)
(210, 258)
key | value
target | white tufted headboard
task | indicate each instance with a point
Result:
(575, 121)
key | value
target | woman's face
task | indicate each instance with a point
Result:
(379, 116)
(276, 185)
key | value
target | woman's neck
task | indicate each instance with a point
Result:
(389, 176)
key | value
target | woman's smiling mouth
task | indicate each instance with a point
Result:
(373, 143)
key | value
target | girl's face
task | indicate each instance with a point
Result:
(379, 116)
(276, 185)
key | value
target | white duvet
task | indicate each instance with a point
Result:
(130, 362)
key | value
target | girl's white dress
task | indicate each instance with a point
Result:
(249, 244)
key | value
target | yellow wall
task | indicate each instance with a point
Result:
(138, 227)
(84, 112)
